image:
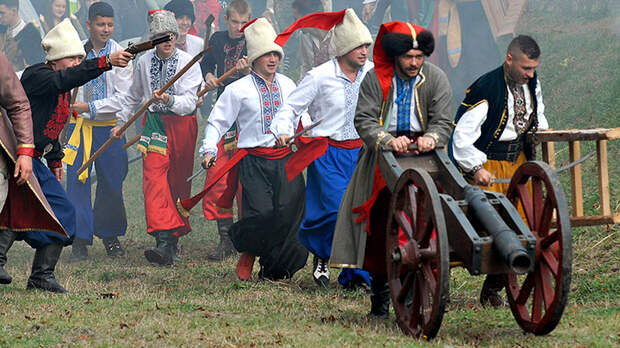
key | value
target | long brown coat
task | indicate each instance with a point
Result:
(26, 207)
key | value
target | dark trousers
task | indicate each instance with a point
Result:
(272, 210)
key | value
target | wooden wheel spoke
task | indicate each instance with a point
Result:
(545, 217)
(549, 239)
(526, 289)
(406, 288)
(551, 262)
(537, 303)
(429, 277)
(546, 285)
(526, 202)
(537, 200)
(414, 311)
(426, 309)
(403, 223)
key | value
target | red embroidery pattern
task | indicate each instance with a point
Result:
(102, 63)
(59, 117)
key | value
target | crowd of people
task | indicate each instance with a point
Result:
(353, 106)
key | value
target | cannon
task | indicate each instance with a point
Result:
(524, 235)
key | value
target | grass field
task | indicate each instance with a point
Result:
(128, 302)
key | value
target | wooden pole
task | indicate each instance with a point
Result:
(139, 113)
(218, 81)
(603, 177)
(548, 153)
(576, 183)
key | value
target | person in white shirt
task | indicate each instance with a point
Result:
(185, 16)
(169, 135)
(272, 206)
(98, 101)
(492, 122)
(329, 93)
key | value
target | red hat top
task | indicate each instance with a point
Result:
(394, 39)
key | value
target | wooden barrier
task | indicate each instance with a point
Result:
(574, 137)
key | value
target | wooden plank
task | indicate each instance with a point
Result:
(548, 153)
(576, 183)
(603, 177)
(578, 134)
(595, 220)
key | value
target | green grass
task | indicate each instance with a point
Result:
(128, 302)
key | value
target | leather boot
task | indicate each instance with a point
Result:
(113, 247)
(79, 251)
(7, 238)
(175, 250)
(225, 248)
(489, 295)
(379, 297)
(162, 254)
(43, 265)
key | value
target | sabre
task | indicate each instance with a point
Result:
(560, 169)
(202, 169)
(139, 113)
(298, 134)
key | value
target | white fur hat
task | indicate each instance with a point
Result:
(161, 22)
(62, 41)
(259, 37)
(349, 34)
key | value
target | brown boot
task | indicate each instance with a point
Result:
(489, 295)
(225, 248)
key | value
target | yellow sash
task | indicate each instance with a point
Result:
(86, 128)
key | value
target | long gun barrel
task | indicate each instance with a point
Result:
(147, 45)
(504, 238)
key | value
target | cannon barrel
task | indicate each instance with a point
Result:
(504, 238)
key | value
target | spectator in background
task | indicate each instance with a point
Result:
(20, 42)
(184, 14)
(82, 13)
(55, 12)
(313, 42)
(203, 9)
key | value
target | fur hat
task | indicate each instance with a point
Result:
(394, 39)
(181, 8)
(259, 37)
(348, 35)
(161, 22)
(62, 41)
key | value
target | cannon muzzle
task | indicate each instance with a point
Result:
(505, 239)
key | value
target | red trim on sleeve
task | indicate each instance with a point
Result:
(102, 63)
(25, 151)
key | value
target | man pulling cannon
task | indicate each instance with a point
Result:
(489, 139)
(404, 100)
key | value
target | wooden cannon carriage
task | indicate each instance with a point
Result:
(449, 223)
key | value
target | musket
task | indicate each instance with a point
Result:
(140, 111)
(219, 80)
(147, 45)
(560, 169)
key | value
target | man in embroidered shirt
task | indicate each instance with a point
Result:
(227, 51)
(98, 102)
(489, 139)
(168, 138)
(329, 93)
(20, 42)
(272, 207)
(404, 100)
(47, 86)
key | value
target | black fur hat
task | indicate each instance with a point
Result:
(396, 44)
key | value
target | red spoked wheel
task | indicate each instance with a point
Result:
(418, 270)
(537, 299)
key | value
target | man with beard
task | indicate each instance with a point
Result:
(329, 93)
(168, 137)
(47, 86)
(98, 101)
(404, 100)
(228, 49)
(492, 123)
(272, 206)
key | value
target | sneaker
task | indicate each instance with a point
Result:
(321, 271)
(113, 247)
(245, 265)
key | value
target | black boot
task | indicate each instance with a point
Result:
(79, 251)
(43, 265)
(175, 250)
(113, 247)
(379, 297)
(162, 254)
(225, 248)
(7, 238)
(320, 271)
(489, 295)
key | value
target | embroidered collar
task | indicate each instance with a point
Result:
(270, 98)
(161, 71)
(105, 50)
